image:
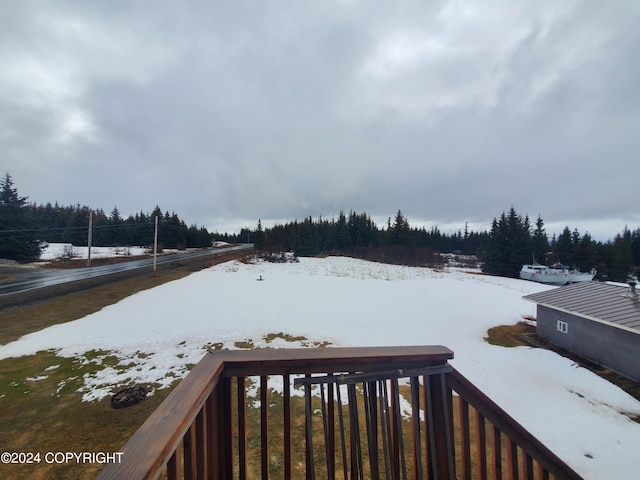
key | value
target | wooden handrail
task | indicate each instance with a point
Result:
(149, 449)
(238, 363)
(510, 427)
(193, 430)
(151, 446)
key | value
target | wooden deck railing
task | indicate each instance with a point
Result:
(238, 415)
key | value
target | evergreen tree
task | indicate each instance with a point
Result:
(400, 231)
(259, 238)
(115, 216)
(622, 264)
(540, 241)
(563, 248)
(635, 247)
(509, 245)
(584, 254)
(17, 241)
(342, 235)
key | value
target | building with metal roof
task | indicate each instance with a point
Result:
(595, 320)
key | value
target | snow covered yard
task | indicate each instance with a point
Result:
(156, 334)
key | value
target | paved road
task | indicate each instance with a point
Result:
(33, 280)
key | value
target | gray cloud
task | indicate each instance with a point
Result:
(224, 113)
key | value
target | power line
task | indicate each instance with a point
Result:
(79, 228)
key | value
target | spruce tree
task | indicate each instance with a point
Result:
(540, 241)
(563, 248)
(259, 239)
(400, 230)
(509, 245)
(17, 241)
(342, 238)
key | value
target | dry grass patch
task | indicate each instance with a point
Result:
(509, 335)
(41, 411)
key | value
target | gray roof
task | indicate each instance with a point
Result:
(597, 301)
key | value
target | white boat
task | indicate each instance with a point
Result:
(556, 274)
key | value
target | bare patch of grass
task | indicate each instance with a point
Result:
(42, 411)
(284, 336)
(509, 335)
(245, 344)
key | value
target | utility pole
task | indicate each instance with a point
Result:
(155, 247)
(89, 239)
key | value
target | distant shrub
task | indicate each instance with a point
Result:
(69, 251)
(279, 257)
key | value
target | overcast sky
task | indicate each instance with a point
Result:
(226, 112)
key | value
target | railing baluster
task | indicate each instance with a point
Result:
(327, 423)
(512, 455)
(264, 426)
(482, 446)
(528, 467)
(172, 466)
(331, 433)
(201, 445)
(465, 437)
(242, 427)
(431, 437)
(308, 428)
(440, 401)
(448, 417)
(212, 467)
(286, 402)
(226, 444)
(189, 449)
(415, 415)
(428, 428)
(217, 433)
(371, 422)
(385, 427)
(497, 454)
(345, 466)
(354, 433)
(396, 428)
(545, 473)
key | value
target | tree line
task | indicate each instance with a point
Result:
(25, 226)
(511, 242)
(356, 234)
(70, 224)
(514, 241)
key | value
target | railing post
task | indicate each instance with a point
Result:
(201, 445)
(242, 428)
(221, 426)
(442, 419)
(264, 427)
(189, 450)
(212, 439)
(286, 381)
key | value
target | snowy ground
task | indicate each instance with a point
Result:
(54, 251)
(348, 302)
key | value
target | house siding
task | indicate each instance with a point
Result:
(614, 348)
